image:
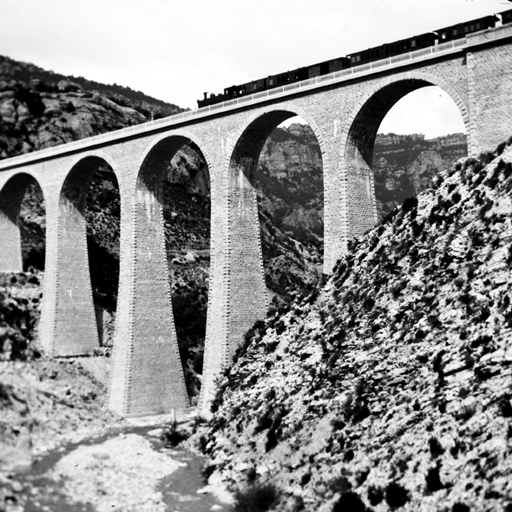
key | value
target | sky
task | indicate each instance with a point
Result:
(175, 50)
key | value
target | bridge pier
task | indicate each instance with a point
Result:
(237, 291)
(68, 320)
(147, 375)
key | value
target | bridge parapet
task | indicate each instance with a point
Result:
(471, 42)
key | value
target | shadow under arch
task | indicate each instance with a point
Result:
(76, 327)
(11, 198)
(358, 139)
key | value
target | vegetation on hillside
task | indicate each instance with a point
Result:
(47, 81)
(391, 387)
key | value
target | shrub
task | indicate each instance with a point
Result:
(504, 406)
(435, 447)
(501, 147)
(69, 107)
(337, 423)
(375, 495)
(396, 495)
(486, 157)
(433, 479)
(256, 498)
(349, 501)
(202, 443)
(173, 435)
(208, 470)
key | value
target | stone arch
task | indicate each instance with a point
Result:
(260, 124)
(358, 138)
(152, 171)
(383, 96)
(81, 172)
(248, 293)
(11, 197)
(76, 327)
(168, 143)
(157, 378)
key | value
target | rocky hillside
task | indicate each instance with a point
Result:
(44, 81)
(391, 388)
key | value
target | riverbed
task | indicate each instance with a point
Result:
(131, 470)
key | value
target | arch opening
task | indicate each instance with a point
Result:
(23, 211)
(387, 154)
(23, 233)
(277, 162)
(89, 250)
(103, 217)
(174, 184)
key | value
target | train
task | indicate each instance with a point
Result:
(384, 51)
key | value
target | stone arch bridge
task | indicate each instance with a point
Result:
(344, 109)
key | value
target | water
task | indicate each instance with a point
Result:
(179, 489)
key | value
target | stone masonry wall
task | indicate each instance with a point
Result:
(490, 79)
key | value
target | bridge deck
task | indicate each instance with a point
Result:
(481, 38)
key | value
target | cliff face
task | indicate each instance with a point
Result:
(390, 388)
(290, 179)
(404, 165)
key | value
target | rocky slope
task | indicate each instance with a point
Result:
(391, 388)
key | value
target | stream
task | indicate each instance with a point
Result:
(124, 471)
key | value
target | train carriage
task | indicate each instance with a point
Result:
(506, 17)
(392, 49)
(460, 30)
(356, 59)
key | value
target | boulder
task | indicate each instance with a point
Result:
(69, 86)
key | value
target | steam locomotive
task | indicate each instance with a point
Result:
(357, 59)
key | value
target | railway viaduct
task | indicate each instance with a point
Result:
(344, 109)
